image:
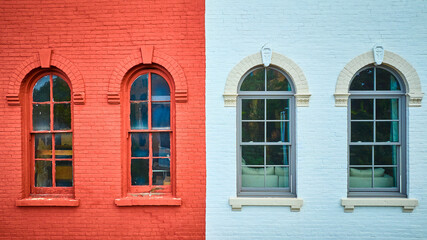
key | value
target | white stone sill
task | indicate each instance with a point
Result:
(407, 205)
(237, 203)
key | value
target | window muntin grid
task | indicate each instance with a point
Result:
(266, 134)
(376, 158)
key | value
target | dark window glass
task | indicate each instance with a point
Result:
(276, 81)
(139, 115)
(41, 117)
(61, 90)
(362, 109)
(252, 109)
(386, 81)
(62, 116)
(43, 173)
(139, 89)
(252, 132)
(277, 109)
(160, 88)
(139, 171)
(364, 80)
(160, 115)
(41, 91)
(140, 144)
(252, 155)
(362, 131)
(254, 81)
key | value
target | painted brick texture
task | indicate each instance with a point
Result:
(96, 36)
(321, 37)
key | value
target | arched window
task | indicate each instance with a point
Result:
(266, 133)
(149, 125)
(377, 130)
(51, 129)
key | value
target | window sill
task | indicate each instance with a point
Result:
(237, 203)
(47, 202)
(407, 205)
(147, 201)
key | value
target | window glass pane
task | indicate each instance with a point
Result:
(161, 171)
(362, 131)
(41, 91)
(254, 81)
(41, 117)
(63, 145)
(252, 132)
(139, 115)
(161, 145)
(276, 81)
(43, 145)
(277, 131)
(253, 176)
(360, 155)
(64, 173)
(43, 173)
(386, 81)
(252, 155)
(160, 115)
(159, 88)
(385, 155)
(362, 108)
(387, 109)
(61, 90)
(252, 109)
(385, 177)
(277, 155)
(364, 80)
(271, 180)
(139, 89)
(387, 131)
(140, 144)
(283, 176)
(62, 116)
(161, 178)
(360, 178)
(139, 171)
(277, 109)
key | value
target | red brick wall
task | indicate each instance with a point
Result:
(96, 36)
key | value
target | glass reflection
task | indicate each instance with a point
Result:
(386, 155)
(161, 178)
(277, 155)
(385, 177)
(252, 132)
(43, 173)
(364, 80)
(277, 131)
(41, 91)
(387, 131)
(253, 176)
(159, 88)
(360, 178)
(140, 144)
(283, 176)
(386, 80)
(63, 145)
(62, 116)
(387, 109)
(60, 89)
(41, 117)
(43, 145)
(252, 109)
(139, 88)
(160, 115)
(276, 81)
(254, 81)
(277, 109)
(161, 145)
(139, 171)
(139, 115)
(64, 173)
(252, 155)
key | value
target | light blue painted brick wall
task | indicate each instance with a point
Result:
(321, 37)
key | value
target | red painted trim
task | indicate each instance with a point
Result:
(147, 201)
(45, 56)
(32, 65)
(28, 134)
(147, 54)
(47, 202)
(126, 130)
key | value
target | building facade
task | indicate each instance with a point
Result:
(350, 131)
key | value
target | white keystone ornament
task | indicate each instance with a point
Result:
(266, 56)
(378, 54)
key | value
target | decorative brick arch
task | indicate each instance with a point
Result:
(147, 55)
(407, 72)
(45, 59)
(302, 93)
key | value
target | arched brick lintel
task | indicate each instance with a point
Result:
(407, 72)
(302, 93)
(140, 57)
(45, 59)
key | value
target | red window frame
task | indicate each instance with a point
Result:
(53, 190)
(150, 188)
